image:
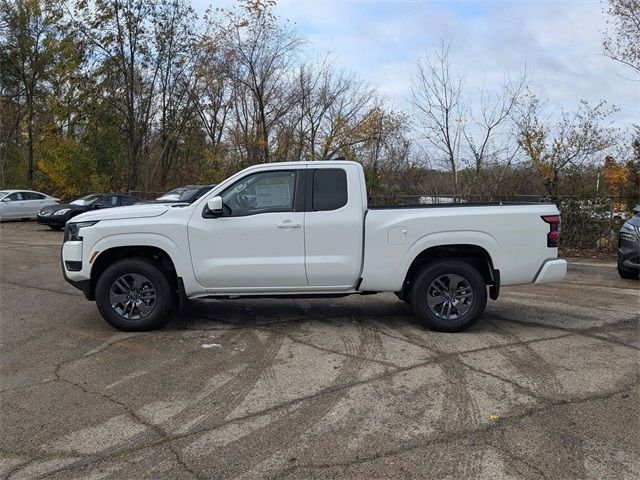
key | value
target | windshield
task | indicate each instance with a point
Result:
(3, 194)
(635, 220)
(181, 194)
(86, 200)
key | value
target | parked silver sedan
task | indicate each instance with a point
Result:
(23, 204)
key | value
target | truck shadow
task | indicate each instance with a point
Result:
(245, 313)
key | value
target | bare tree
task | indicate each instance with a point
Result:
(263, 52)
(437, 96)
(490, 135)
(623, 43)
(174, 38)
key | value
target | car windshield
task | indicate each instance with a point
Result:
(86, 200)
(181, 194)
(3, 194)
(635, 220)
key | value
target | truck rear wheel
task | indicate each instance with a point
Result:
(134, 295)
(449, 295)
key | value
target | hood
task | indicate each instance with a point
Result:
(120, 213)
(165, 202)
(54, 208)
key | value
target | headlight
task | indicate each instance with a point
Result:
(61, 212)
(629, 233)
(72, 230)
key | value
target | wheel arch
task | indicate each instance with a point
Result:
(473, 254)
(113, 254)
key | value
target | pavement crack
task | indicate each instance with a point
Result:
(337, 352)
(52, 290)
(590, 332)
(513, 383)
(458, 435)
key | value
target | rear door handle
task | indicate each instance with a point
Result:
(288, 224)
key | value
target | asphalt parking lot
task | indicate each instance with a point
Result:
(545, 386)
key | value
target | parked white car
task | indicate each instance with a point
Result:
(304, 229)
(23, 204)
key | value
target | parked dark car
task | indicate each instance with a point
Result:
(56, 216)
(186, 194)
(629, 247)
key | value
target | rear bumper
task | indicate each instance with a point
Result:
(552, 271)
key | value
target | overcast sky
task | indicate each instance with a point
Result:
(559, 41)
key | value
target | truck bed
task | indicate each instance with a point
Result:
(513, 235)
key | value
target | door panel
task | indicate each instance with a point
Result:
(34, 202)
(255, 244)
(333, 228)
(17, 207)
(255, 251)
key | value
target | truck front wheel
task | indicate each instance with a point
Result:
(449, 295)
(134, 295)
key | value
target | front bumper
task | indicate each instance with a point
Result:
(51, 220)
(71, 263)
(629, 255)
(552, 271)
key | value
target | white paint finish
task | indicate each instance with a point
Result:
(552, 271)
(397, 235)
(319, 252)
(514, 236)
(72, 251)
(144, 210)
(333, 239)
(251, 251)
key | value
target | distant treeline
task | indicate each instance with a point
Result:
(145, 95)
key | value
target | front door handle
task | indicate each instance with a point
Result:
(288, 224)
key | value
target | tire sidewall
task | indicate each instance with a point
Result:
(434, 270)
(627, 274)
(156, 276)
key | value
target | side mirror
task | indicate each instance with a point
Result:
(6, 200)
(214, 205)
(100, 205)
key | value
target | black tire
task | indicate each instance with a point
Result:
(55, 227)
(155, 279)
(471, 295)
(627, 273)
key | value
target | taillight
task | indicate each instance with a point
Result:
(554, 229)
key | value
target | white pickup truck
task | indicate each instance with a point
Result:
(304, 229)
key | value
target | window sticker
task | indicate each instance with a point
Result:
(273, 196)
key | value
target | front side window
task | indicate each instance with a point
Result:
(16, 196)
(110, 201)
(126, 201)
(329, 189)
(262, 192)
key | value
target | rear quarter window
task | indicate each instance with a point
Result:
(329, 189)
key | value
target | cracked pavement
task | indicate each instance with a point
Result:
(546, 385)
